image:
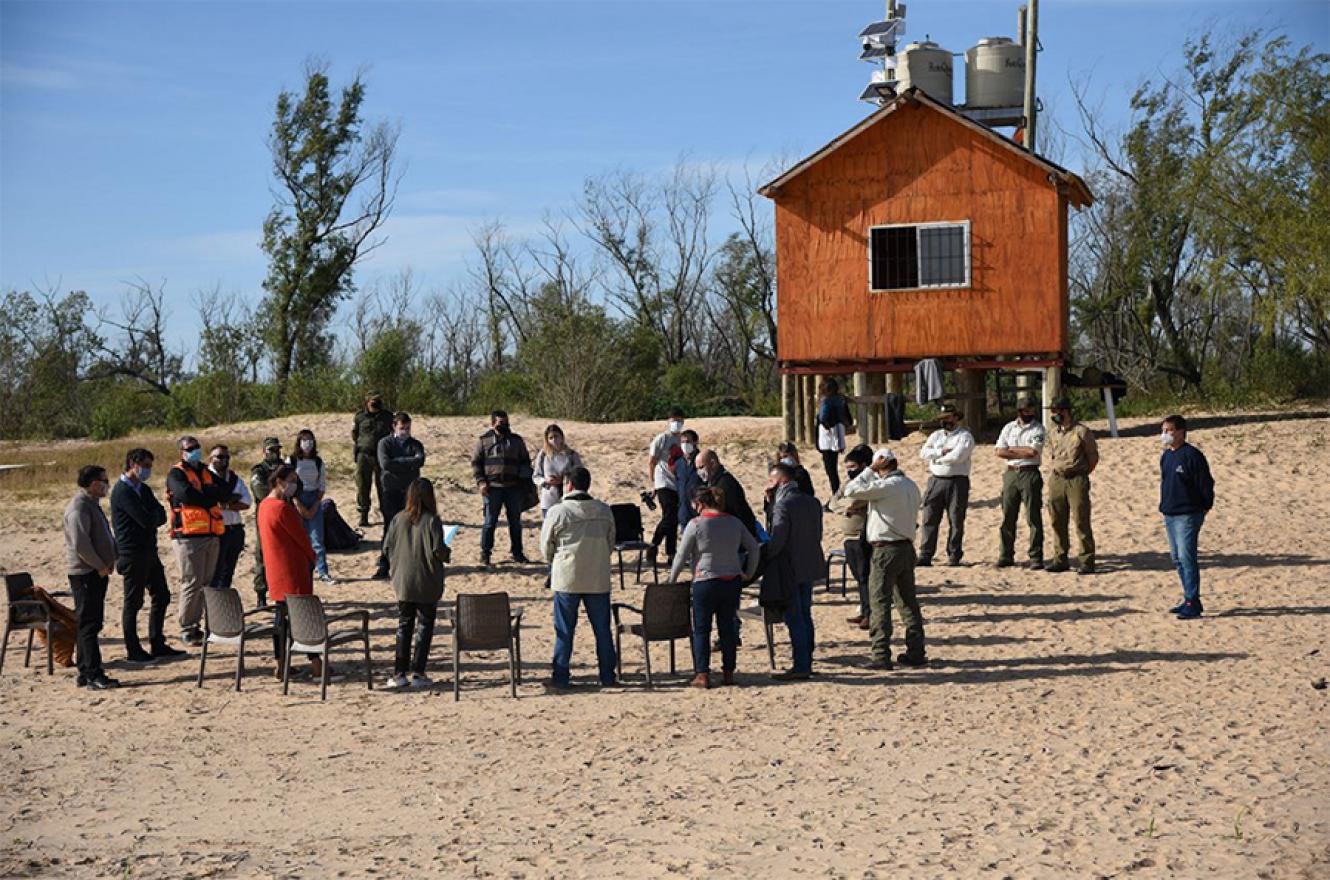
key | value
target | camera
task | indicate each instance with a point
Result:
(649, 499)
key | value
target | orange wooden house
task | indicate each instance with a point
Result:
(919, 233)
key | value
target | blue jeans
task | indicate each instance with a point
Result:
(508, 501)
(719, 598)
(1183, 530)
(314, 528)
(565, 622)
(799, 620)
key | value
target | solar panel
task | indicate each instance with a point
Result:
(871, 52)
(879, 27)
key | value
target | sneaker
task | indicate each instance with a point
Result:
(140, 658)
(396, 683)
(102, 683)
(193, 638)
(325, 578)
(916, 662)
(1190, 611)
(1086, 569)
(1035, 565)
(1177, 609)
(364, 521)
(485, 561)
(166, 652)
(421, 682)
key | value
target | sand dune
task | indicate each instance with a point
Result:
(1067, 726)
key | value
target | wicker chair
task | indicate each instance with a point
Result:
(629, 534)
(307, 630)
(666, 615)
(771, 617)
(25, 612)
(486, 622)
(224, 624)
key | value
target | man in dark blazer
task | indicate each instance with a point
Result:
(136, 515)
(794, 561)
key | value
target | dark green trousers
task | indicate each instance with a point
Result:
(1069, 502)
(367, 477)
(1022, 486)
(260, 578)
(891, 582)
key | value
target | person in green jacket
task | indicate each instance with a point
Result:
(417, 555)
(372, 424)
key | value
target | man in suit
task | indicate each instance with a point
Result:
(794, 562)
(136, 515)
(89, 558)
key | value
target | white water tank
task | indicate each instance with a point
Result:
(926, 66)
(995, 73)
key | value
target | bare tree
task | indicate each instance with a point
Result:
(140, 350)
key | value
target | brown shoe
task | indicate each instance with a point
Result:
(701, 680)
(857, 620)
(727, 679)
(865, 623)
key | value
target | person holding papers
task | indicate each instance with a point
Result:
(417, 553)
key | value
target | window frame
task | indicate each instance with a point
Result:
(968, 257)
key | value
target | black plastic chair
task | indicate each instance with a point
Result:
(26, 612)
(630, 534)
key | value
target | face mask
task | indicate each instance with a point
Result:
(556, 442)
(676, 425)
(375, 406)
(948, 426)
(145, 474)
(1166, 439)
(788, 460)
(703, 474)
(307, 445)
(1057, 418)
(853, 472)
(503, 428)
(688, 448)
(403, 433)
(194, 456)
(289, 491)
(274, 455)
(1022, 419)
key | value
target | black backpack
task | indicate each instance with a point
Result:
(338, 536)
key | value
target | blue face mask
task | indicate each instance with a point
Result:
(145, 474)
(194, 456)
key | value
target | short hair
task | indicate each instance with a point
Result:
(689, 433)
(580, 477)
(676, 412)
(785, 471)
(89, 474)
(786, 446)
(1177, 422)
(186, 440)
(496, 414)
(712, 497)
(281, 474)
(830, 386)
(220, 446)
(138, 456)
(402, 418)
(861, 454)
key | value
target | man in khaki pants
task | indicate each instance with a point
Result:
(1072, 457)
(196, 527)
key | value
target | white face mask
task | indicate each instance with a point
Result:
(307, 445)
(1165, 439)
(289, 490)
(688, 448)
(788, 460)
(676, 425)
(703, 474)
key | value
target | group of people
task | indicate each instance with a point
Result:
(706, 527)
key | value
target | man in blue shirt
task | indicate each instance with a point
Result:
(1186, 494)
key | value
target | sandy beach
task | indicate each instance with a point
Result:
(1066, 727)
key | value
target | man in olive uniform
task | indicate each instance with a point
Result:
(258, 485)
(1072, 457)
(372, 424)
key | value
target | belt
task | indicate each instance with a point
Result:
(1022, 467)
(949, 476)
(889, 543)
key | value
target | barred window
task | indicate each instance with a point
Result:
(926, 255)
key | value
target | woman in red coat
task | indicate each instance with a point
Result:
(288, 556)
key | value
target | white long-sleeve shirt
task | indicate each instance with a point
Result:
(948, 452)
(893, 504)
(1014, 434)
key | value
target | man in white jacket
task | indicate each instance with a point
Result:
(893, 507)
(577, 540)
(947, 451)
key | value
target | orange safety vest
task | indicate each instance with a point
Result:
(191, 520)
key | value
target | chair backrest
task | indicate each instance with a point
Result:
(305, 617)
(226, 616)
(667, 611)
(483, 621)
(627, 522)
(18, 586)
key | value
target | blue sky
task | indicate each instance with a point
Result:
(132, 134)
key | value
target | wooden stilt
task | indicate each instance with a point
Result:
(1052, 391)
(861, 409)
(810, 410)
(973, 404)
(787, 404)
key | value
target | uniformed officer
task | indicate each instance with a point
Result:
(1072, 457)
(258, 487)
(372, 424)
(1020, 445)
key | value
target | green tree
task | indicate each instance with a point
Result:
(335, 188)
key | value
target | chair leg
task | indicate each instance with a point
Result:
(618, 653)
(771, 646)
(27, 656)
(203, 661)
(646, 651)
(655, 575)
(4, 646)
(512, 669)
(240, 661)
(844, 575)
(286, 668)
(369, 672)
(517, 643)
(457, 668)
(323, 673)
(672, 670)
(620, 569)
(50, 648)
